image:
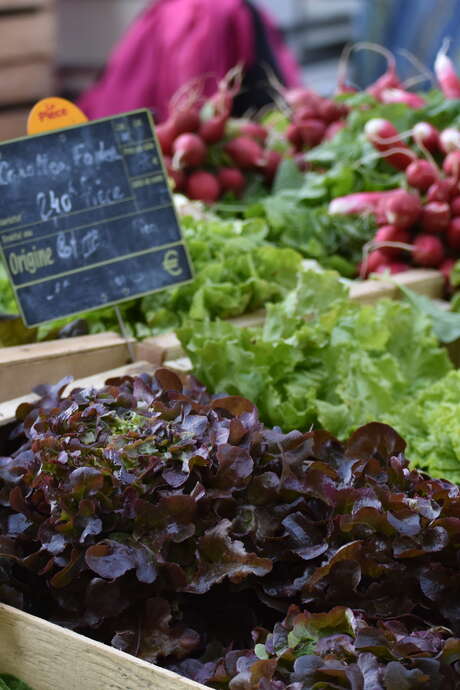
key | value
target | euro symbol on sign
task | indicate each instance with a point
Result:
(171, 263)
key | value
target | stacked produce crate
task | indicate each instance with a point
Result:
(27, 50)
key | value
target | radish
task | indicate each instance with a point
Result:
(165, 135)
(300, 96)
(389, 80)
(294, 136)
(450, 139)
(178, 176)
(245, 152)
(455, 206)
(391, 233)
(253, 130)
(453, 234)
(393, 267)
(402, 209)
(412, 100)
(330, 111)
(189, 151)
(374, 260)
(445, 73)
(421, 174)
(184, 121)
(213, 130)
(384, 136)
(231, 180)
(306, 112)
(435, 216)
(446, 268)
(451, 164)
(312, 131)
(360, 202)
(334, 128)
(273, 159)
(428, 251)
(426, 136)
(441, 190)
(203, 186)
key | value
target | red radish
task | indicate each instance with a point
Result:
(441, 190)
(453, 234)
(294, 136)
(390, 233)
(245, 152)
(297, 97)
(165, 135)
(231, 180)
(412, 100)
(273, 159)
(451, 164)
(384, 136)
(213, 130)
(435, 216)
(426, 136)
(312, 131)
(184, 121)
(360, 202)
(389, 80)
(330, 111)
(455, 206)
(253, 130)
(374, 260)
(334, 128)
(393, 267)
(450, 139)
(402, 209)
(189, 151)
(428, 251)
(203, 186)
(445, 74)
(178, 176)
(306, 112)
(421, 174)
(446, 268)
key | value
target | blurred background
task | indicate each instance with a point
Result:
(60, 47)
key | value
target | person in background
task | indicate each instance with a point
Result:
(416, 26)
(175, 41)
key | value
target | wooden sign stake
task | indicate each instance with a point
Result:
(124, 333)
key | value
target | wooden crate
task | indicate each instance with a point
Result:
(25, 366)
(51, 658)
(27, 36)
(13, 123)
(25, 82)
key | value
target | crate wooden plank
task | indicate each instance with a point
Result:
(24, 83)
(25, 366)
(13, 123)
(52, 658)
(27, 36)
(8, 408)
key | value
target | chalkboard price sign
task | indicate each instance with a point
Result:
(87, 218)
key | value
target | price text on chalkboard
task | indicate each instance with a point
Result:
(87, 218)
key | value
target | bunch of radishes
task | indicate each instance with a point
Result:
(419, 225)
(313, 118)
(208, 154)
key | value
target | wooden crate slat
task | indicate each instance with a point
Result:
(25, 366)
(9, 407)
(52, 658)
(13, 123)
(24, 83)
(11, 5)
(27, 36)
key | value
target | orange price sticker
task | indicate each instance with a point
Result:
(54, 113)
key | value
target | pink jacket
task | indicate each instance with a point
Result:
(174, 41)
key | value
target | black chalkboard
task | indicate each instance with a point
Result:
(87, 218)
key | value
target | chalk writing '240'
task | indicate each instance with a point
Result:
(50, 204)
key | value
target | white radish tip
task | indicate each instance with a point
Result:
(422, 129)
(373, 126)
(442, 63)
